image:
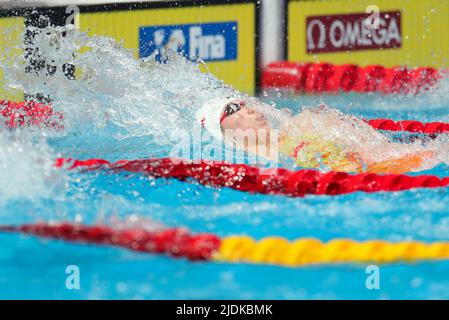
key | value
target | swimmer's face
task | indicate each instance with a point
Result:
(238, 115)
(242, 120)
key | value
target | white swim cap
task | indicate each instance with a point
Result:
(209, 115)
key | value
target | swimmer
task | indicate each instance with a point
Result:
(319, 137)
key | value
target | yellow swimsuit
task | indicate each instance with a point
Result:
(315, 152)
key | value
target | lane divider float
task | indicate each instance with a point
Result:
(179, 242)
(251, 179)
(430, 128)
(318, 78)
(30, 113)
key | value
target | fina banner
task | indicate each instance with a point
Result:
(221, 33)
(208, 41)
(389, 33)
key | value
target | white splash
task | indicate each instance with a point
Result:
(27, 167)
(140, 97)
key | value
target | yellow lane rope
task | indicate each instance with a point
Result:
(309, 251)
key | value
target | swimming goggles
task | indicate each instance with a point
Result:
(230, 109)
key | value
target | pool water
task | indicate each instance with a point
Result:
(32, 191)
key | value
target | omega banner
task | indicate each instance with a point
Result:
(353, 32)
(393, 32)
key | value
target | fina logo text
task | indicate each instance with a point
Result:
(209, 42)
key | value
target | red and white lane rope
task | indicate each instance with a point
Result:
(431, 128)
(265, 181)
(313, 78)
(176, 242)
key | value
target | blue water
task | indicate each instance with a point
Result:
(31, 268)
